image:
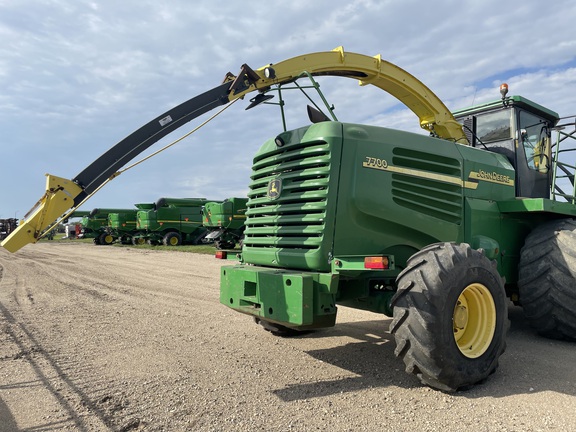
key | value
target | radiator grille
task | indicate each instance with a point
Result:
(295, 219)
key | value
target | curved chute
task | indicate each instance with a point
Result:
(62, 195)
(433, 114)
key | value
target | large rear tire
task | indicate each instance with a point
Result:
(172, 239)
(547, 279)
(106, 239)
(450, 316)
(222, 244)
(199, 238)
(137, 241)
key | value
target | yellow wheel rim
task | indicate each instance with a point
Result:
(474, 320)
(108, 239)
(173, 241)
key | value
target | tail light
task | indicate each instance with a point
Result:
(376, 262)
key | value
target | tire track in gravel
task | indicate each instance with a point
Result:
(90, 276)
(22, 350)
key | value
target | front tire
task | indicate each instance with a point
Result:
(277, 329)
(547, 282)
(450, 316)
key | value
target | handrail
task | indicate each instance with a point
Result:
(565, 167)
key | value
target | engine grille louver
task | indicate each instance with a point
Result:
(295, 219)
(430, 196)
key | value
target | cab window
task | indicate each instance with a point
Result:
(494, 126)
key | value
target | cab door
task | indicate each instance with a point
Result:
(533, 155)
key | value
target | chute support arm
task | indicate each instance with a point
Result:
(434, 116)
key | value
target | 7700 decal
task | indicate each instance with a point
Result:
(382, 164)
(372, 162)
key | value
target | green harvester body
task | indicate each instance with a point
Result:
(122, 225)
(336, 211)
(94, 224)
(177, 218)
(225, 221)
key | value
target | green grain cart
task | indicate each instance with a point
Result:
(94, 225)
(172, 222)
(433, 233)
(225, 222)
(121, 226)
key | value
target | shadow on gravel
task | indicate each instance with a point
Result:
(371, 357)
(7, 422)
(531, 364)
(32, 352)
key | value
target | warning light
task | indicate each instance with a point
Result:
(376, 262)
(503, 90)
(221, 254)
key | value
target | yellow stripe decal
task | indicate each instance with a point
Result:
(421, 174)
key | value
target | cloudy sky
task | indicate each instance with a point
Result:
(77, 76)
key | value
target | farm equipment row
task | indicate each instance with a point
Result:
(168, 221)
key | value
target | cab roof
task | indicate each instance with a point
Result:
(519, 101)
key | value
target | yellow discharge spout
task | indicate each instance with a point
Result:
(59, 197)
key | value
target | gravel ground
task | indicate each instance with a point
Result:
(97, 338)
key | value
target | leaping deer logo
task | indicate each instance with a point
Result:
(274, 188)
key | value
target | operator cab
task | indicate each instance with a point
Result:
(520, 130)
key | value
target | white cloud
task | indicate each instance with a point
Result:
(77, 77)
